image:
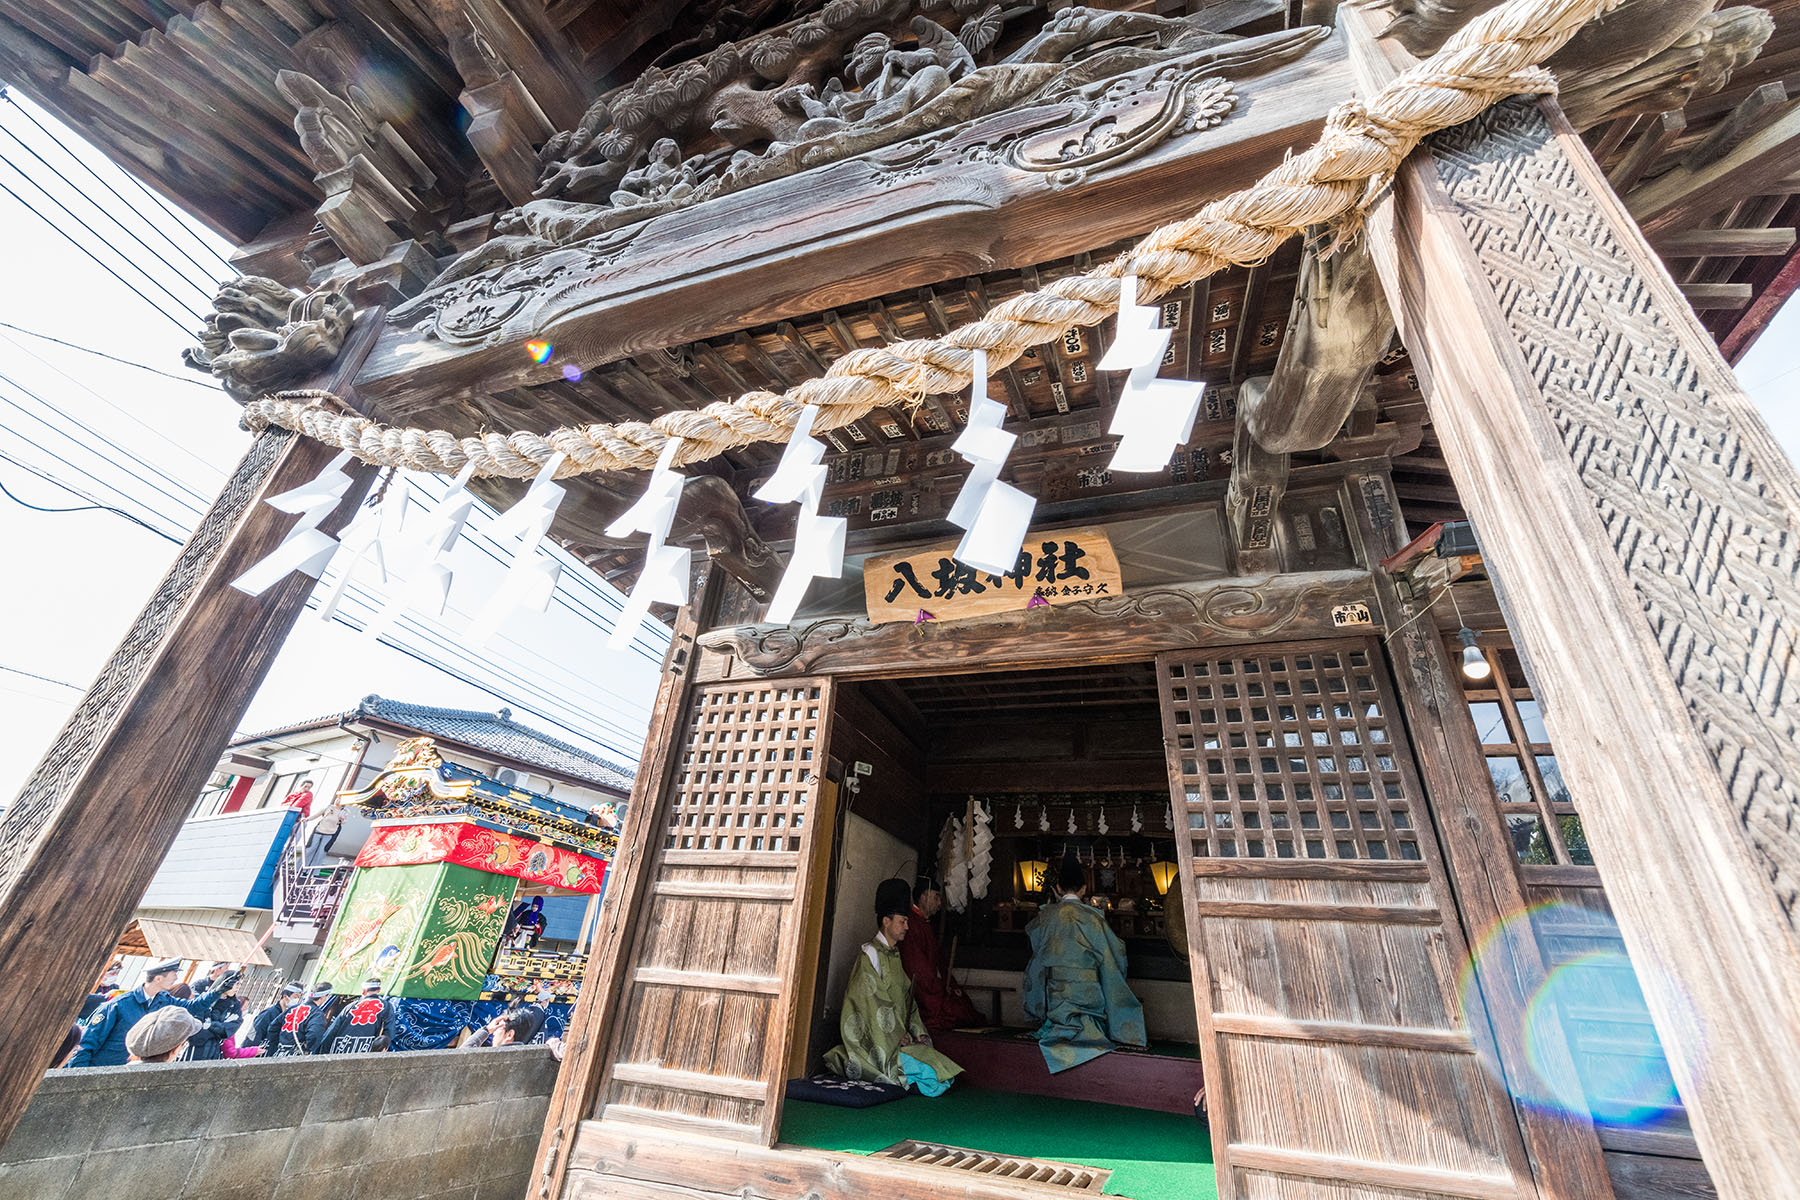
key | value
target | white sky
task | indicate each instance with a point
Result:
(78, 580)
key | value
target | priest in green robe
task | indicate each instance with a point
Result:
(885, 1040)
(1075, 983)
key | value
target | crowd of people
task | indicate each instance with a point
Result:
(165, 1020)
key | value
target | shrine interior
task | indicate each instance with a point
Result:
(1050, 762)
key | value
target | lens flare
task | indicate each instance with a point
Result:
(540, 351)
(571, 372)
(1586, 1031)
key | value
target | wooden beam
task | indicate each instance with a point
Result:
(1683, 196)
(1629, 506)
(1709, 243)
(851, 231)
(1113, 629)
(1256, 280)
(97, 816)
(1712, 296)
(1751, 114)
(1656, 138)
(1252, 501)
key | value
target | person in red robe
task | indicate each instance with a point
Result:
(942, 1004)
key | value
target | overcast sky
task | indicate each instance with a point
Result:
(160, 447)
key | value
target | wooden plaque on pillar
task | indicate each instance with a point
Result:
(1643, 530)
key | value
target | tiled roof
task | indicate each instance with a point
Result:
(498, 734)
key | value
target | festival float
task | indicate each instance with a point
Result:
(450, 852)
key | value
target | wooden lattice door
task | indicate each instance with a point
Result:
(702, 1037)
(1339, 1058)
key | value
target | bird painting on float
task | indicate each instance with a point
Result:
(1075, 983)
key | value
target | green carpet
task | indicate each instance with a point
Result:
(1152, 1155)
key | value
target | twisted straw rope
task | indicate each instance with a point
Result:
(1495, 56)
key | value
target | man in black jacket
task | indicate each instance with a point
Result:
(360, 1025)
(265, 1028)
(219, 1022)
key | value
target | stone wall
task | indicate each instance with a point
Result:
(431, 1125)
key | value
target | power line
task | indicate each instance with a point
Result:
(92, 505)
(175, 321)
(123, 228)
(182, 219)
(95, 234)
(44, 678)
(194, 380)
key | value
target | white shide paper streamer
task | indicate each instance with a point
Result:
(664, 578)
(818, 552)
(306, 548)
(994, 515)
(1154, 415)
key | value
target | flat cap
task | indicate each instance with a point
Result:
(160, 1031)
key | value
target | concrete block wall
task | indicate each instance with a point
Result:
(431, 1125)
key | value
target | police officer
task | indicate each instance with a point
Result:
(360, 1025)
(103, 1041)
(219, 1022)
(265, 1027)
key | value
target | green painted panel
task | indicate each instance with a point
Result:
(377, 929)
(458, 935)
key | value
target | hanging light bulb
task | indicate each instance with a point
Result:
(1474, 663)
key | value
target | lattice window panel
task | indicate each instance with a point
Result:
(747, 768)
(1291, 754)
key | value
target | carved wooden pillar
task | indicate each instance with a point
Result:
(102, 808)
(1643, 530)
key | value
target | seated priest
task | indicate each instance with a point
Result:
(884, 1037)
(1075, 983)
(941, 1002)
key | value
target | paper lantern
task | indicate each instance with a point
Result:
(1031, 875)
(1162, 874)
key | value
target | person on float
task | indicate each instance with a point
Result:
(941, 1002)
(103, 1040)
(1075, 982)
(361, 1027)
(885, 1039)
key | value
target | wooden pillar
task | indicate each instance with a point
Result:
(603, 984)
(80, 843)
(1643, 530)
(1565, 1154)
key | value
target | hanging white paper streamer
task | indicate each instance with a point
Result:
(1154, 415)
(369, 535)
(423, 562)
(664, 578)
(306, 548)
(994, 514)
(981, 849)
(531, 577)
(818, 552)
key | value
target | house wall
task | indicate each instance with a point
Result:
(351, 1127)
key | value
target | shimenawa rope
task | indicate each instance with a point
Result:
(1496, 55)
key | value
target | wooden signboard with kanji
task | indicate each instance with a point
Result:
(1060, 565)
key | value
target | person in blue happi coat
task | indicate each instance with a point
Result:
(103, 1039)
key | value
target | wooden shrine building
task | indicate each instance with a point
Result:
(1425, 722)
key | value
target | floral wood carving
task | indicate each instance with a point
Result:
(262, 334)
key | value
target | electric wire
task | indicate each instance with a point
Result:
(207, 383)
(183, 219)
(107, 213)
(95, 234)
(48, 478)
(175, 321)
(43, 678)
